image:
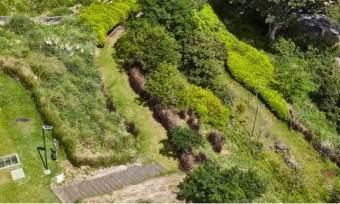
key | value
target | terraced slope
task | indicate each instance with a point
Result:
(151, 133)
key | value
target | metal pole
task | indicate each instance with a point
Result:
(45, 149)
(252, 132)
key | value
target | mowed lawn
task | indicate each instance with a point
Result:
(151, 133)
(22, 138)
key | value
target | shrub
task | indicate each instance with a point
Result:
(3, 9)
(19, 24)
(251, 67)
(185, 138)
(211, 184)
(103, 17)
(335, 196)
(208, 107)
(203, 58)
(147, 46)
(293, 77)
(170, 85)
(174, 15)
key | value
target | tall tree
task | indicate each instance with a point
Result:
(279, 14)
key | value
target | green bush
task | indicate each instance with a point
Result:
(251, 67)
(174, 15)
(103, 17)
(335, 196)
(3, 9)
(168, 84)
(203, 58)
(147, 46)
(19, 24)
(211, 184)
(208, 107)
(185, 139)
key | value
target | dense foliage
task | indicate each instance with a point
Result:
(147, 46)
(280, 13)
(335, 196)
(211, 184)
(57, 66)
(185, 139)
(203, 58)
(248, 65)
(175, 15)
(103, 17)
(169, 84)
(293, 76)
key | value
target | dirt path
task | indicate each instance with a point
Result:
(151, 133)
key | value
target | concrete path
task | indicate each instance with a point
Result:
(105, 184)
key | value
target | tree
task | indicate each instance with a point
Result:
(147, 46)
(184, 138)
(203, 58)
(279, 14)
(175, 15)
(211, 184)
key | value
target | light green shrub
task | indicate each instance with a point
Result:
(251, 67)
(103, 17)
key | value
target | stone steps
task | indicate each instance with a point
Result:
(107, 183)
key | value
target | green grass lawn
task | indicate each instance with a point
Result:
(151, 133)
(22, 138)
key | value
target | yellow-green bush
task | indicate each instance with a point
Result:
(102, 17)
(248, 65)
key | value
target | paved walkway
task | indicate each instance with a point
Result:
(105, 184)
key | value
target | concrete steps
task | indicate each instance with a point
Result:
(105, 184)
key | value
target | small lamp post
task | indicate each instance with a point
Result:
(47, 171)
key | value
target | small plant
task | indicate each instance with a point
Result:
(19, 24)
(185, 139)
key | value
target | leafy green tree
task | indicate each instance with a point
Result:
(185, 138)
(203, 58)
(147, 46)
(175, 15)
(211, 184)
(280, 13)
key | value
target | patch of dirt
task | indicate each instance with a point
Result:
(157, 190)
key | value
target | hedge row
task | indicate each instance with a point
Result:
(103, 17)
(251, 67)
(170, 85)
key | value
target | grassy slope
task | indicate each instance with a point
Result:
(313, 165)
(151, 132)
(22, 138)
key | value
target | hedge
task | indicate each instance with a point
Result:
(103, 17)
(248, 65)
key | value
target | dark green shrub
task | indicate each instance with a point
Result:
(175, 15)
(185, 139)
(147, 46)
(211, 184)
(19, 24)
(203, 58)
